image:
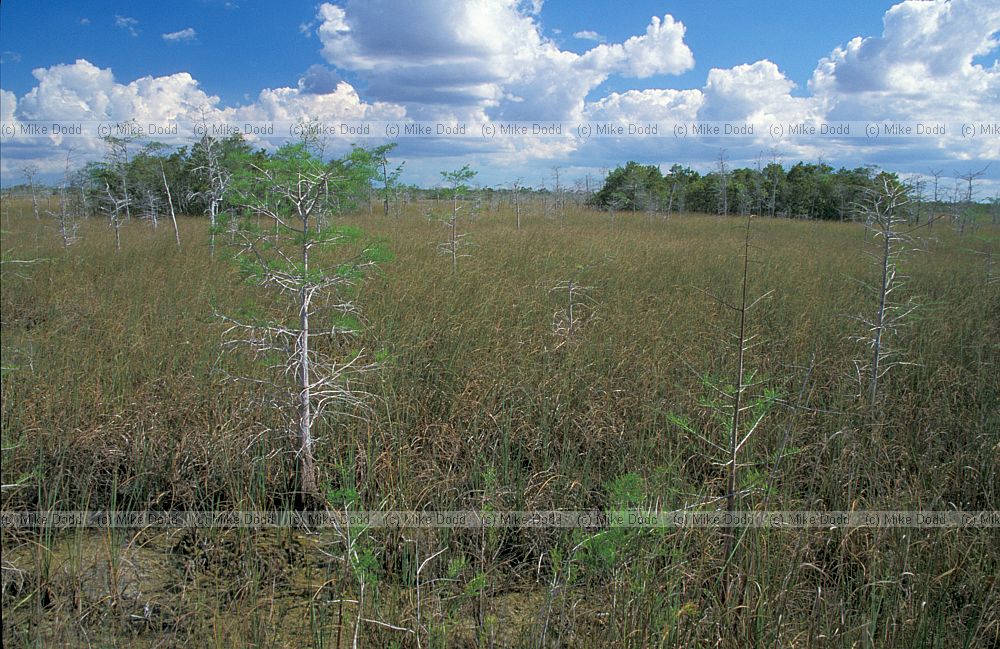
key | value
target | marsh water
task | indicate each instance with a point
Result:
(240, 587)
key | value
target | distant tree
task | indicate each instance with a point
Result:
(29, 171)
(68, 224)
(213, 162)
(458, 184)
(722, 171)
(390, 179)
(678, 178)
(114, 205)
(146, 172)
(559, 203)
(515, 189)
(631, 187)
(119, 164)
(969, 178)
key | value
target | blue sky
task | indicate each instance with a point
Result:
(266, 37)
(503, 59)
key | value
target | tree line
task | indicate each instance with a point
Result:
(153, 181)
(804, 190)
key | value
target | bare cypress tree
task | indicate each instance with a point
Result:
(723, 198)
(68, 225)
(516, 191)
(170, 204)
(118, 161)
(390, 179)
(29, 171)
(578, 309)
(218, 178)
(116, 168)
(115, 205)
(559, 201)
(918, 198)
(885, 218)
(970, 177)
(458, 180)
(216, 174)
(936, 175)
(82, 180)
(296, 191)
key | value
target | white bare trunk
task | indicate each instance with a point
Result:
(880, 315)
(307, 464)
(170, 202)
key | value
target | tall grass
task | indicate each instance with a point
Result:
(114, 399)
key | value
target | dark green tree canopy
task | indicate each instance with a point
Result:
(803, 190)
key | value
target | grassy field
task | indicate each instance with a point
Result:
(114, 396)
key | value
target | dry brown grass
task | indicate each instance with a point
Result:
(112, 398)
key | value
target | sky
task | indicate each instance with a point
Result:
(490, 61)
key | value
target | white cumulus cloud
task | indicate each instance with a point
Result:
(920, 68)
(923, 61)
(487, 58)
(8, 105)
(754, 92)
(82, 91)
(589, 35)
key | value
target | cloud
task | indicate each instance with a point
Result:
(18, 152)
(82, 91)
(318, 80)
(531, 7)
(920, 68)
(657, 104)
(8, 105)
(754, 92)
(184, 35)
(483, 59)
(85, 21)
(588, 35)
(293, 104)
(10, 57)
(922, 61)
(661, 50)
(128, 24)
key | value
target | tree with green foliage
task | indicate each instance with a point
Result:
(299, 335)
(805, 191)
(458, 183)
(677, 180)
(213, 162)
(390, 178)
(631, 187)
